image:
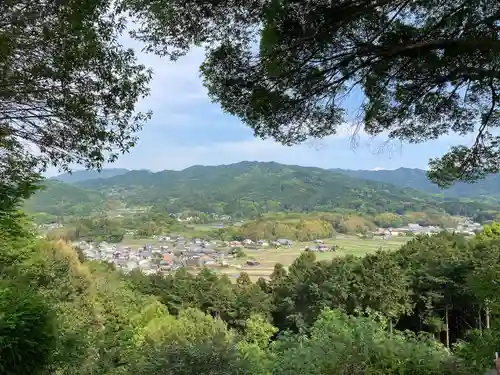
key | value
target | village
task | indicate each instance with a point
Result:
(172, 252)
(466, 227)
(167, 253)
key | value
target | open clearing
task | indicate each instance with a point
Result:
(347, 245)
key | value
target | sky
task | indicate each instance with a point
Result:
(187, 129)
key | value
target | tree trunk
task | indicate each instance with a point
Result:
(390, 327)
(447, 329)
(487, 310)
(479, 320)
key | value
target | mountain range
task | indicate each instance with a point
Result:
(411, 178)
(247, 188)
(417, 179)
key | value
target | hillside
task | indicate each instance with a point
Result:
(243, 189)
(58, 198)
(248, 188)
(417, 179)
(84, 175)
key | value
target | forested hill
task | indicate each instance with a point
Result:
(417, 179)
(84, 175)
(245, 189)
(59, 198)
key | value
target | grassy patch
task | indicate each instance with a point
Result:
(348, 245)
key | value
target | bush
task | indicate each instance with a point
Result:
(341, 344)
(27, 334)
(238, 252)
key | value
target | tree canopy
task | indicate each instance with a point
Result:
(427, 68)
(384, 313)
(68, 88)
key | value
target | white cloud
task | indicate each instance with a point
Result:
(181, 107)
(174, 84)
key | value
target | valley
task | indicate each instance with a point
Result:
(219, 217)
(146, 262)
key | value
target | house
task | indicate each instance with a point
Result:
(146, 254)
(322, 247)
(194, 248)
(164, 267)
(284, 242)
(253, 246)
(218, 256)
(104, 246)
(206, 260)
(168, 259)
(191, 261)
(382, 232)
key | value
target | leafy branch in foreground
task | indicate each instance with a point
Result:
(427, 68)
(68, 88)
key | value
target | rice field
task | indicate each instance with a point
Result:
(347, 245)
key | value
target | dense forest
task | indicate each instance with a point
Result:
(412, 178)
(488, 188)
(385, 313)
(246, 189)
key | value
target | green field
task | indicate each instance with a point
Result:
(269, 257)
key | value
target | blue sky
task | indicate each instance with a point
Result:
(187, 129)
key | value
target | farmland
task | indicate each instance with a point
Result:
(347, 245)
(266, 257)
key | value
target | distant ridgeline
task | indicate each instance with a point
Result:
(249, 189)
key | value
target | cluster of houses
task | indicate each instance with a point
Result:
(170, 253)
(255, 245)
(185, 218)
(319, 246)
(466, 227)
(158, 258)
